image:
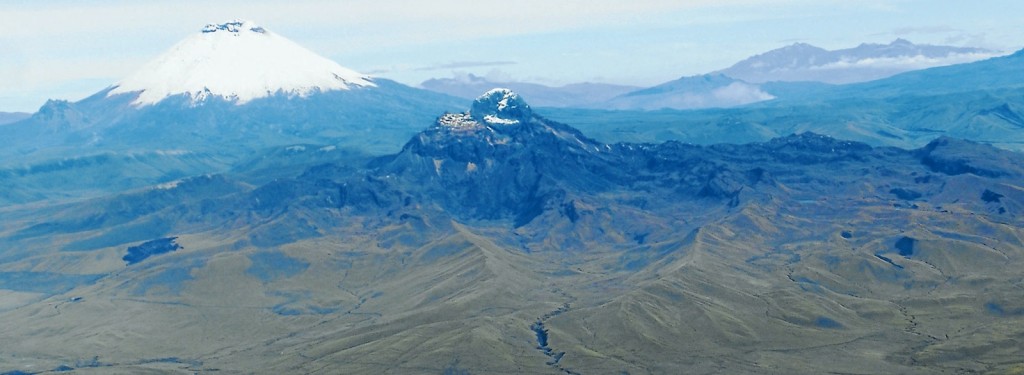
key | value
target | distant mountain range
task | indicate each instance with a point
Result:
(741, 84)
(866, 62)
(704, 91)
(9, 117)
(981, 101)
(499, 241)
(243, 205)
(156, 128)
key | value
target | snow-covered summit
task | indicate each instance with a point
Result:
(238, 61)
(500, 107)
(235, 26)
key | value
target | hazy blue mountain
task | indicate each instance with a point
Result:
(497, 231)
(866, 62)
(800, 72)
(290, 161)
(101, 122)
(207, 138)
(583, 95)
(996, 73)
(703, 91)
(797, 71)
(9, 117)
(980, 101)
(263, 209)
(100, 174)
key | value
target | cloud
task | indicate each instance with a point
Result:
(936, 29)
(465, 64)
(950, 35)
(906, 62)
(376, 71)
(377, 21)
(739, 93)
(972, 39)
(45, 43)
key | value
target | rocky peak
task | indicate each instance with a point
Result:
(59, 112)
(800, 46)
(235, 27)
(901, 42)
(499, 119)
(501, 107)
(496, 112)
(458, 122)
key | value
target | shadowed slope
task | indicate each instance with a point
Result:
(498, 241)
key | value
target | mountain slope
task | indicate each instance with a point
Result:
(222, 94)
(705, 91)
(802, 72)
(996, 73)
(980, 101)
(9, 117)
(238, 61)
(866, 62)
(499, 241)
(229, 76)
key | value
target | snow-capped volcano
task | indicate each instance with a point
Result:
(238, 61)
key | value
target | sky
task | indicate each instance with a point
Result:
(69, 49)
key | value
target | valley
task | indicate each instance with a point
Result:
(804, 254)
(244, 205)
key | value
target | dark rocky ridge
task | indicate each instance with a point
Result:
(804, 254)
(509, 163)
